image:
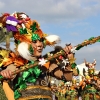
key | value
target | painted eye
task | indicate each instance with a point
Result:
(34, 41)
(41, 40)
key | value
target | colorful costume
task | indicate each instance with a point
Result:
(25, 31)
(32, 75)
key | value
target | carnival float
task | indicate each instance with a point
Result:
(55, 76)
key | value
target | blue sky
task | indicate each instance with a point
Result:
(73, 20)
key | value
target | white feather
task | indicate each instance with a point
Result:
(23, 50)
(53, 38)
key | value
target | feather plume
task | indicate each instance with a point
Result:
(52, 39)
(23, 50)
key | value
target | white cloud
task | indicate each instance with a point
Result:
(55, 10)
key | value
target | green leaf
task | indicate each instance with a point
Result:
(31, 79)
(98, 40)
(79, 47)
(20, 81)
(23, 31)
(37, 71)
(31, 62)
(31, 70)
(35, 37)
(73, 65)
(91, 38)
(17, 94)
(23, 86)
(1, 76)
(33, 27)
(88, 86)
(25, 74)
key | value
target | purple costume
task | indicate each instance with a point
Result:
(11, 23)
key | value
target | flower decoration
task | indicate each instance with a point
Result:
(42, 61)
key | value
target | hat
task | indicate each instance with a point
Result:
(25, 31)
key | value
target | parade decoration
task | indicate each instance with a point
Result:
(33, 64)
(24, 30)
(62, 76)
(86, 88)
(90, 41)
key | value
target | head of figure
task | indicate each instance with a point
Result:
(37, 45)
(28, 36)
